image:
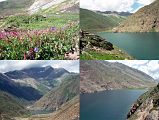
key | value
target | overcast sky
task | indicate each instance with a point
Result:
(72, 66)
(149, 67)
(114, 5)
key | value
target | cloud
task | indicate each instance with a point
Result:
(72, 66)
(114, 5)
(145, 2)
(150, 67)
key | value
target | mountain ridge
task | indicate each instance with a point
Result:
(103, 75)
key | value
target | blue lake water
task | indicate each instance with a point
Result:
(108, 105)
(142, 46)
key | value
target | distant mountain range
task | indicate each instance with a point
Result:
(103, 75)
(92, 20)
(115, 13)
(144, 20)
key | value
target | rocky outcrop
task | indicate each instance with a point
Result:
(144, 20)
(146, 107)
(91, 40)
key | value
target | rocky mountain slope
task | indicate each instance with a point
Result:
(90, 20)
(22, 92)
(54, 5)
(68, 89)
(11, 7)
(144, 20)
(146, 107)
(103, 75)
(40, 78)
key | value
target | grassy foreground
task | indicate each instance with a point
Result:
(38, 37)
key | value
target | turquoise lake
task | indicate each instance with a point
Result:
(142, 46)
(107, 105)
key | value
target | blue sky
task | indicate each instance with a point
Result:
(114, 5)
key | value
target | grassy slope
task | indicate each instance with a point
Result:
(9, 106)
(10, 7)
(90, 20)
(38, 21)
(115, 54)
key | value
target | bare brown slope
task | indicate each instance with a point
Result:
(103, 75)
(144, 20)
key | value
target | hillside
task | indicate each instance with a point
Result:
(68, 89)
(144, 20)
(92, 21)
(68, 111)
(146, 107)
(102, 75)
(54, 6)
(21, 92)
(10, 7)
(10, 107)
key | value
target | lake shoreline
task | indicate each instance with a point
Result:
(84, 93)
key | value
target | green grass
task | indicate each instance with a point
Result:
(92, 21)
(94, 55)
(10, 7)
(9, 106)
(51, 46)
(38, 21)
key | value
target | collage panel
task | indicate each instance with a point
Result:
(39, 90)
(79, 60)
(39, 29)
(119, 29)
(119, 90)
